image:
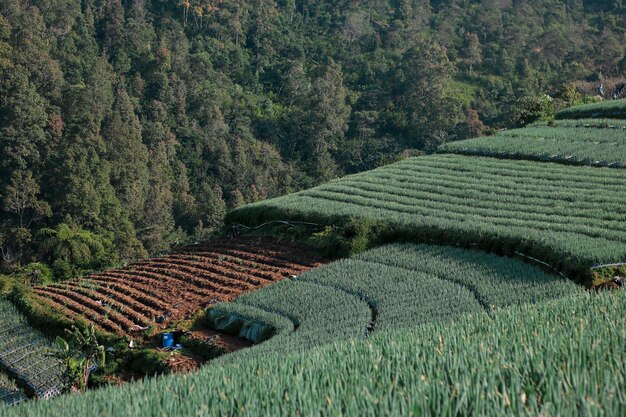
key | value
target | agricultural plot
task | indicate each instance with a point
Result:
(25, 354)
(158, 292)
(393, 286)
(588, 123)
(10, 393)
(613, 109)
(570, 145)
(318, 314)
(572, 217)
(557, 358)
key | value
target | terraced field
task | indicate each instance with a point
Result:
(406, 328)
(555, 358)
(158, 292)
(25, 354)
(589, 145)
(389, 287)
(572, 217)
(613, 109)
(587, 123)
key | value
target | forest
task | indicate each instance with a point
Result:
(128, 127)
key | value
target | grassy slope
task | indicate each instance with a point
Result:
(571, 217)
(588, 123)
(555, 358)
(403, 285)
(614, 109)
(572, 145)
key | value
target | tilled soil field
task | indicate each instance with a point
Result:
(161, 291)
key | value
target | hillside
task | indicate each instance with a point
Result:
(158, 293)
(579, 141)
(391, 287)
(445, 302)
(612, 109)
(282, 207)
(570, 217)
(534, 359)
(143, 122)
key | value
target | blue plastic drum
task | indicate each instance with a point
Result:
(168, 340)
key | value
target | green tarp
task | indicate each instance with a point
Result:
(236, 324)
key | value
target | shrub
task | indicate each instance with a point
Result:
(39, 273)
(530, 109)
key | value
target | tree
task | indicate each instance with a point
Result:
(127, 155)
(473, 53)
(424, 111)
(530, 109)
(77, 247)
(22, 122)
(356, 26)
(473, 127)
(20, 199)
(327, 122)
(158, 217)
(79, 351)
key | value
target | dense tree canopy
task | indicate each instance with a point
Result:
(143, 121)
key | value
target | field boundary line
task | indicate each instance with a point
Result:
(470, 288)
(374, 311)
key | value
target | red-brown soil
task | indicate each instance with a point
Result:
(162, 291)
(227, 342)
(183, 364)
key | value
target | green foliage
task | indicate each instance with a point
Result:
(615, 109)
(527, 360)
(6, 284)
(38, 273)
(201, 348)
(357, 235)
(495, 281)
(402, 286)
(530, 109)
(72, 250)
(146, 362)
(587, 143)
(568, 216)
(145, 121)
(63, 270)
(586, 123)
(74, 365)
(78, 352)
(568, 96)
(318, 314)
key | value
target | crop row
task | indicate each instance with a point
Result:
(402, 285)
(577, 146)
(588, 123)
(572, 134)
(571, 217)
(614, 109)
(163, 290)
(27, 355)
(560, 358)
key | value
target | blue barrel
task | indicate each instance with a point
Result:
(168, 340)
